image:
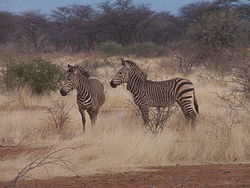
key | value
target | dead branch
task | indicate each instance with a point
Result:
(235, 108)
(52, 158)
(241, 80)
(158, 117)
(58, 114)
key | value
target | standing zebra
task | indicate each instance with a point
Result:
(149, 93)
(90, 92)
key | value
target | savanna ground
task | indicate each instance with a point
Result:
(119, 151)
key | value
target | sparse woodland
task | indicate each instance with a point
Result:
(207, 42)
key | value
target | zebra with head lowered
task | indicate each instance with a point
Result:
(147, 93)
(90, 92)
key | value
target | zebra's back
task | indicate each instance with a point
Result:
(97, 90)
(165, 93)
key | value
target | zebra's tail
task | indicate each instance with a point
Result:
(196, 104)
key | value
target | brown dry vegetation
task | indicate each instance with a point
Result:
(119, 142)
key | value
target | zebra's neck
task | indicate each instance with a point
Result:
(135, 83)
(82, 86)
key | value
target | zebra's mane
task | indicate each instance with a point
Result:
(140, 73)
(83, 71)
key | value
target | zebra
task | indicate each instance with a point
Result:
(147, 93)
(90, 92)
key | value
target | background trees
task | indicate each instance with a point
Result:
(212, 26)
(8, 26)
(123, 22)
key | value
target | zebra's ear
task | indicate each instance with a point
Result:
(123, 62)
(71, 68)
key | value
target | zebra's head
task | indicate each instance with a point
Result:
(71, 80)
(122, 76)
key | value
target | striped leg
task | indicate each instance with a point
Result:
(188, 111)
(93, 116)
(83, 119)
(145, 114)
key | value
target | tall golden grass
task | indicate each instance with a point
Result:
(119, 141)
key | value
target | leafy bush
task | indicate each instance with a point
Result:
(218, 29)
(111, 48)
(146, 49)
(38, 74)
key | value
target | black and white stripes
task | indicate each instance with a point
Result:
(90, 91)
(149, 93)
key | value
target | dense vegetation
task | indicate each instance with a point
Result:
(38, 74)
(216, 25)
(209, 33)
(206, 42)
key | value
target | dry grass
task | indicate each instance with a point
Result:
(119, 141)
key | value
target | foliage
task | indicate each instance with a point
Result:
(163, 28)
(218, 30)
(38, 74)
(124, 27)
(123, 21)
(146, 49)
(8, 25)
(32, 34)
(111, 48)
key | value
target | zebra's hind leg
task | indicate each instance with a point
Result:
(188, 112)
(190, 118)
(83, 119)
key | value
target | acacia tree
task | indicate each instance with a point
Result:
(213, 26)
(8, 26)
(216, 32)
(163, 28)
(75, 26)
(193, 12)
(123, 21)
(32, 32)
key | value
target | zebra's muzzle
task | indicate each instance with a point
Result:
(112, 84)
(63, 93)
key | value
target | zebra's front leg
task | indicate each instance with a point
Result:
(83, 119)
(93, 116)
(145, 114)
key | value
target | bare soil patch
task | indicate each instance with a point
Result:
(12, 152)
(229, 176)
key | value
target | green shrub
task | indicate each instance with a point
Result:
(111, 48)
(147, 49)
(38, 74)
(218, 30)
